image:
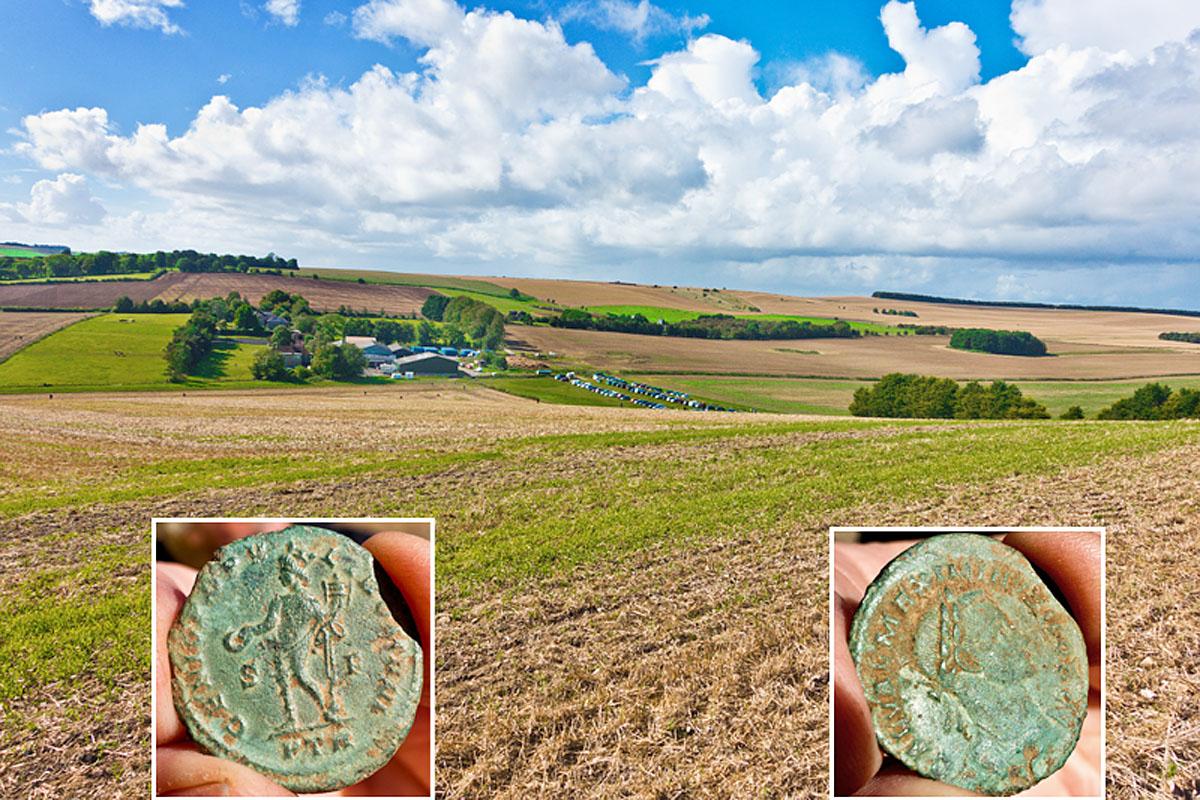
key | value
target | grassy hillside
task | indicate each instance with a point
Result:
(118, 351)
(620, 563)
(832, 396)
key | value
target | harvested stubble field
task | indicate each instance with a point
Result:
(630, 603)
(868, 357)
(322, 295)
(21, 328)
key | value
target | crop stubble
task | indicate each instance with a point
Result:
(682, 669)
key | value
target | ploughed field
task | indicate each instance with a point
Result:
(322, 295)
(19, 329)
(627, 603)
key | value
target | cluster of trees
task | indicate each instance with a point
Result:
(708, 326)
(913, 396)
(466, 320)
(1009, 343)
(190, 343)
(895, 312)
(929, 298)
(1190, 337)
(73, 265)
(927, 330)
(126, 305)
(1155, 401)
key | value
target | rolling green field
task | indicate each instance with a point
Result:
(119, 352)
(403, 279)
(832, 396)
(131, 276)
(19, 252)
(502, 303)
(655, 313)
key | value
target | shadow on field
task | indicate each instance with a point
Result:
(217, 361)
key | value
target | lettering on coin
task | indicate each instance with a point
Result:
(975, 674)
(285, 659)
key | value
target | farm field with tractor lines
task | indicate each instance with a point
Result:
(621, 596)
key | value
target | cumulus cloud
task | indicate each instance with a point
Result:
(286, 11)
(136, 13)
(512, 147)
(66, 200)
(639, 20)
(1110, 25)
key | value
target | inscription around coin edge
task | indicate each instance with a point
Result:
(215, 726)
(875, 629)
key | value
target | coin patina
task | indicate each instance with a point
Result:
(975, 674)
(286, 659)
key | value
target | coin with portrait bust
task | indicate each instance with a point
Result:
(285, 658)
(975, 674)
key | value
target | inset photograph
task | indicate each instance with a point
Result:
(967, 662)
(293, 656)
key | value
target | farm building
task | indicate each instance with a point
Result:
(427, 364)
(399, 350)
(375, 352)
(270, 321)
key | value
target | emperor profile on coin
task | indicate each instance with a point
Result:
(975, 674)
(286, 659)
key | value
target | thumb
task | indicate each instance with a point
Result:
(183, 771)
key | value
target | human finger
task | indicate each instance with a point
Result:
(172, 586)
(183, 771)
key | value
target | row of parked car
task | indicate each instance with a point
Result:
(660, 396)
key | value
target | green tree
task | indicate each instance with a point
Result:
(123, 305)
(426, 334)
(434, 307)
(1074, 412)
(493, 337)
(281, 337)
(244, 319)
(268, 366)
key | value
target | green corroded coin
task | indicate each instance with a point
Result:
(975, 674)
(286, 659)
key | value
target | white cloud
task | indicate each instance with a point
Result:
(136, 13)
(335, 19)
(639, 20)
(65, 200)
(514, 149)
(1110, 25)
(286, 11)
(223, 78)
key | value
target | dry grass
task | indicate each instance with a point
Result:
(869, 357)
(22, 328)
(597, 293)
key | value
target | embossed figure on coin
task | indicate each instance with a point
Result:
(296, 625)
(286, 659)
(975, 674)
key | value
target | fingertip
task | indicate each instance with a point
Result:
(184, 771)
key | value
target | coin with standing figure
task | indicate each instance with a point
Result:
(285, 658)
(975, 674)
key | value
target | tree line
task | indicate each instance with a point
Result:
(1191, 337)
(1009, 343)
(958, 301)
(1155, 401)
(104, 262)
(707, 326)
(923, 396)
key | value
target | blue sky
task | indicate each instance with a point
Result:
(985, 148)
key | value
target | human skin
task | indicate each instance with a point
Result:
(1071, 559)
(183, 770)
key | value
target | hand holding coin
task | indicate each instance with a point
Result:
(1070, 559)
(184, 769)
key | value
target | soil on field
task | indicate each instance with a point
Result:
(866, 357)
(597, 293)
(20, 329)
(680, 671)
(322, 295)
